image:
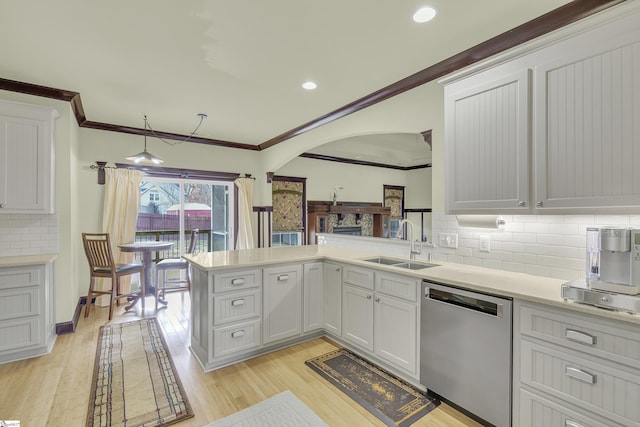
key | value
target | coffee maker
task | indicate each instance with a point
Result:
(613, 259)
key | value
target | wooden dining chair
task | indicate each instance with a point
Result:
(178, 284)
(97, 247)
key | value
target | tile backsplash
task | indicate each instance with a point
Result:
(28, 234)
(541, 245)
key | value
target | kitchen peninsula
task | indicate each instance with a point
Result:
(251, 302)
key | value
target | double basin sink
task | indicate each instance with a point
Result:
(410, 265)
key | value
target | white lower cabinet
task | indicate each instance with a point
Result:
(357, 316)
(381, 317)
(27, 325)
(396, 332)
(313, 295)
(282, 303)
(241, 313)
(332, 279)
(573, 369)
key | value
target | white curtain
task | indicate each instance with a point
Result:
(245, 213)
(121, 206)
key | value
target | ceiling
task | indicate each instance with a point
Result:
(241, 62)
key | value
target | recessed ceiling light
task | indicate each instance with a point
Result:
(425, 14)
(309, 85)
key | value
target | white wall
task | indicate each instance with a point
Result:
(361, 183)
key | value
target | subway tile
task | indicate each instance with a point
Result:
(513, 246)
(472, 261)
(612, 220)
(492, 263)
(550, 239)
(515, 267)
(550, 261)
(564, 274)
(536, 227)
(579, 219)
(550, 219)
(456, 259)
(561, 228)
(536, 270)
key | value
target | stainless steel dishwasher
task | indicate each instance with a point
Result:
(465, 350)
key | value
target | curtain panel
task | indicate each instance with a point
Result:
(288, 209)
(393, 198)
(120, 213)
(245, 213)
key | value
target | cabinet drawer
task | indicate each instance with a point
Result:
(17, 277)
(536, 411)
(235, 338)
(232, 307)
(358, 276)
(399, 286)
(19, 302)
(615, 341)
(19, 334)
(236, 280)
(585, 382)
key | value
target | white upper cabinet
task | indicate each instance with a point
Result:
(487, 144)
(587, 144)
(27, 148)
(552, 126)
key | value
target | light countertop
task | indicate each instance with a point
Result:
(521, 286)
(16, 261)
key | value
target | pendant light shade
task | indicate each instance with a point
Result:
(145, 157)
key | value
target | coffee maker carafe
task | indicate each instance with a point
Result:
(614, 263)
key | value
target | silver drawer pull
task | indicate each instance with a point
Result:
(239, 281)
(579, 336)
(237, 334)
(283, 277)
(236, 302)
(581, 375)
(571, 423)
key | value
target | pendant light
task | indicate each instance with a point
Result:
(145, 157)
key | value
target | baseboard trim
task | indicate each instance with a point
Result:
(70, 326)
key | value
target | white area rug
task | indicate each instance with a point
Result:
(281, 410)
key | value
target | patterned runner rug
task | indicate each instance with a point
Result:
(134, 380)
(391, 400)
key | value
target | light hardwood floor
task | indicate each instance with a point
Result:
(54, 390)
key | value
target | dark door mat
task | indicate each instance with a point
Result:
(390, 399)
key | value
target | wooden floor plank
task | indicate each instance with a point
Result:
(54, 390)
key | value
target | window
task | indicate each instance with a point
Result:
(286, 239)
(171, 207)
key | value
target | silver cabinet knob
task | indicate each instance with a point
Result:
(539, 204)
(368, 296)
(522, 203)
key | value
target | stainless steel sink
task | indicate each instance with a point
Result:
(385, 261)
(414, 265)
(411, 265)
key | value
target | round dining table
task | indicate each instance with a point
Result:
(147, 249)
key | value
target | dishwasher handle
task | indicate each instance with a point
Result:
(475, 303)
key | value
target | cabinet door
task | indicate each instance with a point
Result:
(313, 295)
(587, 133)
(396, 332)
(487, 145)
(357, 316)
(26, 158)
(282, 305)
(333, 298)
